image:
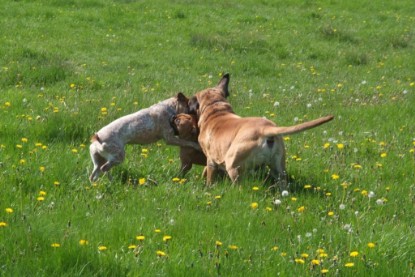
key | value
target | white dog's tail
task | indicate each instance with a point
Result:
(283, 131)
(96, 143)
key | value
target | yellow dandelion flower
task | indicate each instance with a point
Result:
(83, 242)
(19, 146)
(42, 169)
(102, 248)
(9, 210)
(218, 243)
(315, 262)
(132, 246)
(274, 248)
(268, 209)
(354, 254)
(335, 176)
(330, 213)
(38, 144)
(233, 247)
(340, 146)
(307, 186)
(157, 230)
(42, 193)
(301, 209)
(22, 161)
(160, 253)
(7, 104)
(255, 188)
(357, 166)
(364, 192)
(326, 145)
(383, 155)
(349, 265)
(74, 150)
(56, 183)
(140, 238)
(293, 199)
(304, 255)
(175, 179)
(254, 205)
(72, 85)
(299, 261)
(166, 238)
(283, 254)
(371, 245)
(25, 140)
(40, 198)
(323, 255)
(218, 197)
(324, 271)
(3, 224)
(141, 181)
(55, 245)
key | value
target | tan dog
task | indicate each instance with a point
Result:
(237, 144)
(185, 126)
(145, 126)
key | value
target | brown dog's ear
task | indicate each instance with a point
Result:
(182, 98)
(223, 84)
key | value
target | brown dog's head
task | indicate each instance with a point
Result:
(216, 94)
(185, 126)
(182, 105)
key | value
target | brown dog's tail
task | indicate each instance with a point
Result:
(283, 131)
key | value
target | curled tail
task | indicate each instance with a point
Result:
(282, 131)
(96, 142)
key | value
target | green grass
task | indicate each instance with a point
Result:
(62, 63)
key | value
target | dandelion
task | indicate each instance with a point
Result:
(304, 255)
(324, 271)
(102, 248)
(160, 253)
(25, 140)
(326, 145)
(379, 202)
(42, 193)
(293, 199)
(315, 262)
(255, 188)
(383, 155)
(141, 181)
(354, 254)
(301, 209)
(42, 169)
(217, 197)
(72, 85)
(74, 151)
(254, 205)
(335, 176)
(7, 104)
(19, 146)
(55, 245)
(364, 192)
(3, 224)
(371, 245)
(56, 184)
(349, 265)
(330, 213)
(340, 146)
(299, 261)
(40, 198)
(218, 243)
(157, 230)
(371, 194)
(307, 186)
(284, 193)
(342, 206)
(268, 209)
(175, 179)
(9, 210)
(83, 242)
(132, 246)
(140, 238)
(233, 247)
(274, 248)
(22, 161)
(166, 238)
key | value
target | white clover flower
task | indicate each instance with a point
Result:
(277, 202)
(379, 202)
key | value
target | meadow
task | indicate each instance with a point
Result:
(68, 68)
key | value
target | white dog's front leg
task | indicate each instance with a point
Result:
(172, 140)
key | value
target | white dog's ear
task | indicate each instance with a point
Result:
(223, 84)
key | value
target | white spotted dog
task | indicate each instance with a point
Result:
(145, 126)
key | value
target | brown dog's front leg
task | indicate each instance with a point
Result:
(210, 169)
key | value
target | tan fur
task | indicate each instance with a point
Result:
(236, 144)
(186, 127)
(145, 126)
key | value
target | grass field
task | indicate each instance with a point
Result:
(68, 68)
